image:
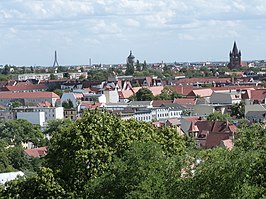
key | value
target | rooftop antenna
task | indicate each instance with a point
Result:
(56, 64)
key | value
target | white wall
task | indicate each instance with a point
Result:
(52, 112)
(111, 96)
(32, 117)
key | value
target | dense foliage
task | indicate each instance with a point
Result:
(102, 156)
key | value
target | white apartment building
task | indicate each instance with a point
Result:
(32, 117)
(49, 112)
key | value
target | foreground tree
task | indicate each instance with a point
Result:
(84, 150)
(144, 171)
(42, 185)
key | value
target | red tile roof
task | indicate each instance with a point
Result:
(44, 104)
(202, 80)
(215, 131)
(90, 105)
(258, 94)
(23, 83)
(36, 152)
(156, 90)
(25, 87)
(158, 103)
(23, 95)
(228, 88)
(183, 90)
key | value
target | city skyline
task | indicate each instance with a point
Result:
(105, 31)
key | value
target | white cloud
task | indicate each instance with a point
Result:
(125, 23)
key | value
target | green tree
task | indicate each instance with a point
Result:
(218, 116)
(144, 94)
(19, 161)
(5, 165)
(130, 69)
(43, 185)
(57, 125)
(85, 149)
(18, 131)
(53, 77)
(222, 172)
(67, 104)
(238, 110)
(168, 94)
(144, 171)
(144, 66)
(16, 104)
(138, 66)
(59, 92)
(6, 70)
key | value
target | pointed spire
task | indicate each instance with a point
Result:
(235, 50)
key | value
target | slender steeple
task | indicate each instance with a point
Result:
(56, 64)
(235, 50)
(235, 57)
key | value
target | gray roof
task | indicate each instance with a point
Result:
(173, 105)
(255, 114)
(140, 103)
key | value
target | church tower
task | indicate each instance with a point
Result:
(235, 58)
(131, 59)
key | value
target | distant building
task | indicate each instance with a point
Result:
(235, 58)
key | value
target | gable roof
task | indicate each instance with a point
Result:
(36, 152)
(205, 92)
(259, 94)
(28, 95)
(26, 87)
(183, 90)
(156, 90)
(158, 103)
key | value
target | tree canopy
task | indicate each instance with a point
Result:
(18, 131)
(84, 150)
(103, 156)
(144, 94)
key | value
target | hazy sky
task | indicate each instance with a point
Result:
(105, 30)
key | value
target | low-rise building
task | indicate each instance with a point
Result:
(33, 117)
(225, 97)
(50, 112)
(28, 98)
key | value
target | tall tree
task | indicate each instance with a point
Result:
(85, 149)
(138, 66)
(144, 94)
(130, 69)
(144, 171)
